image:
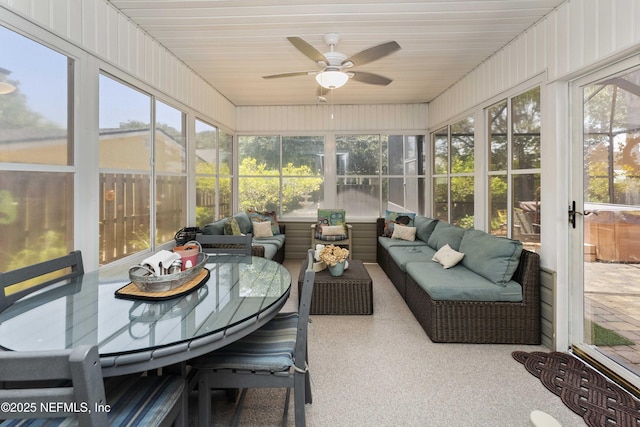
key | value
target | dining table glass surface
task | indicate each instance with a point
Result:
(86, 310)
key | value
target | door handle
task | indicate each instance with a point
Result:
(573, 213)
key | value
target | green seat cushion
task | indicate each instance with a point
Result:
(277, 241)
(269, 248)
(405, 254)
(460, 284)
(445, 233)
(388, 242)
(492, 257)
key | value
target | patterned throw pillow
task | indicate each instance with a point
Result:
(391, 218)
(231, 227)
(269, 216)
(332, 218)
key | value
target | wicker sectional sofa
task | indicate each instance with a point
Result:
(491, 296)
(270, 247)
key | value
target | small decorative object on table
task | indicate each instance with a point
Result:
(334, 257)
(154, 274)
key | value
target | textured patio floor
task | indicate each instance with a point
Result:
(612, 299)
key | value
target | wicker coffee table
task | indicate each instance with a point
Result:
(350, 293)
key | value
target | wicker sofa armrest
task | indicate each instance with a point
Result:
(257, 250)
(379, 226)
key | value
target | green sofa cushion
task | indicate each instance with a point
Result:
(215, 228)
(244, 222)
(460, 284)
(270, 249)
(445, 233)
(402, 255)
(277, 241)
(494, 258)
(388, 242)
(424, 227)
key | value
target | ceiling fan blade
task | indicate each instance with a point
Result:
(370, 78)
(373, 53)
(311, 52)
(277, 76)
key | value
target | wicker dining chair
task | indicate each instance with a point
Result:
(274, 356)
(66, 387)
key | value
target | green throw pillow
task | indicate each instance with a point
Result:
(331, 217)
(231, 227)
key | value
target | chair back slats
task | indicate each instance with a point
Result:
(50, 272)
(304, 309)
(225, 244)
(81, 365)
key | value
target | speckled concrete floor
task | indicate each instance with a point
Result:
(382, 370)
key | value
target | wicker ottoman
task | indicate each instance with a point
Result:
(350, 293)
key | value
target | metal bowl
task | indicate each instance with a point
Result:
(146, 281)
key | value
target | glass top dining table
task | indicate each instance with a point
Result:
(241, 294)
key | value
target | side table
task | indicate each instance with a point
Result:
(351, 293)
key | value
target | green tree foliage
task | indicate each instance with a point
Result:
(259, 187)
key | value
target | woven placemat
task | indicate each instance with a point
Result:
(131, 291)
(585, 391)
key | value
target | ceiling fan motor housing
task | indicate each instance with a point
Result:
(335, 59)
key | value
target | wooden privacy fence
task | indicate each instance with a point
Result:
(124, 214)
(36, 217)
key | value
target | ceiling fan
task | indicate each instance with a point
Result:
(336, 67)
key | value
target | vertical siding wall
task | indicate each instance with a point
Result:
(577, 35)
(306, 118)
(99, 29)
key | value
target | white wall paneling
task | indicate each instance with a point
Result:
(384, 117)
(577, 35)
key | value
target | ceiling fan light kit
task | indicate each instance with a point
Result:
(333, 64)
(332, 79)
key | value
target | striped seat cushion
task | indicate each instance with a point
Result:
(270, 348)
(49, 422)
(335, 238)
(133, 401)
(144, 402)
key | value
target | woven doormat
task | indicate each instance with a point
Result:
(586, 392)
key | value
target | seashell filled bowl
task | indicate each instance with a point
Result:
(147, 281)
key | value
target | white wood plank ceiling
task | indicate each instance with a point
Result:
(233, 43)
